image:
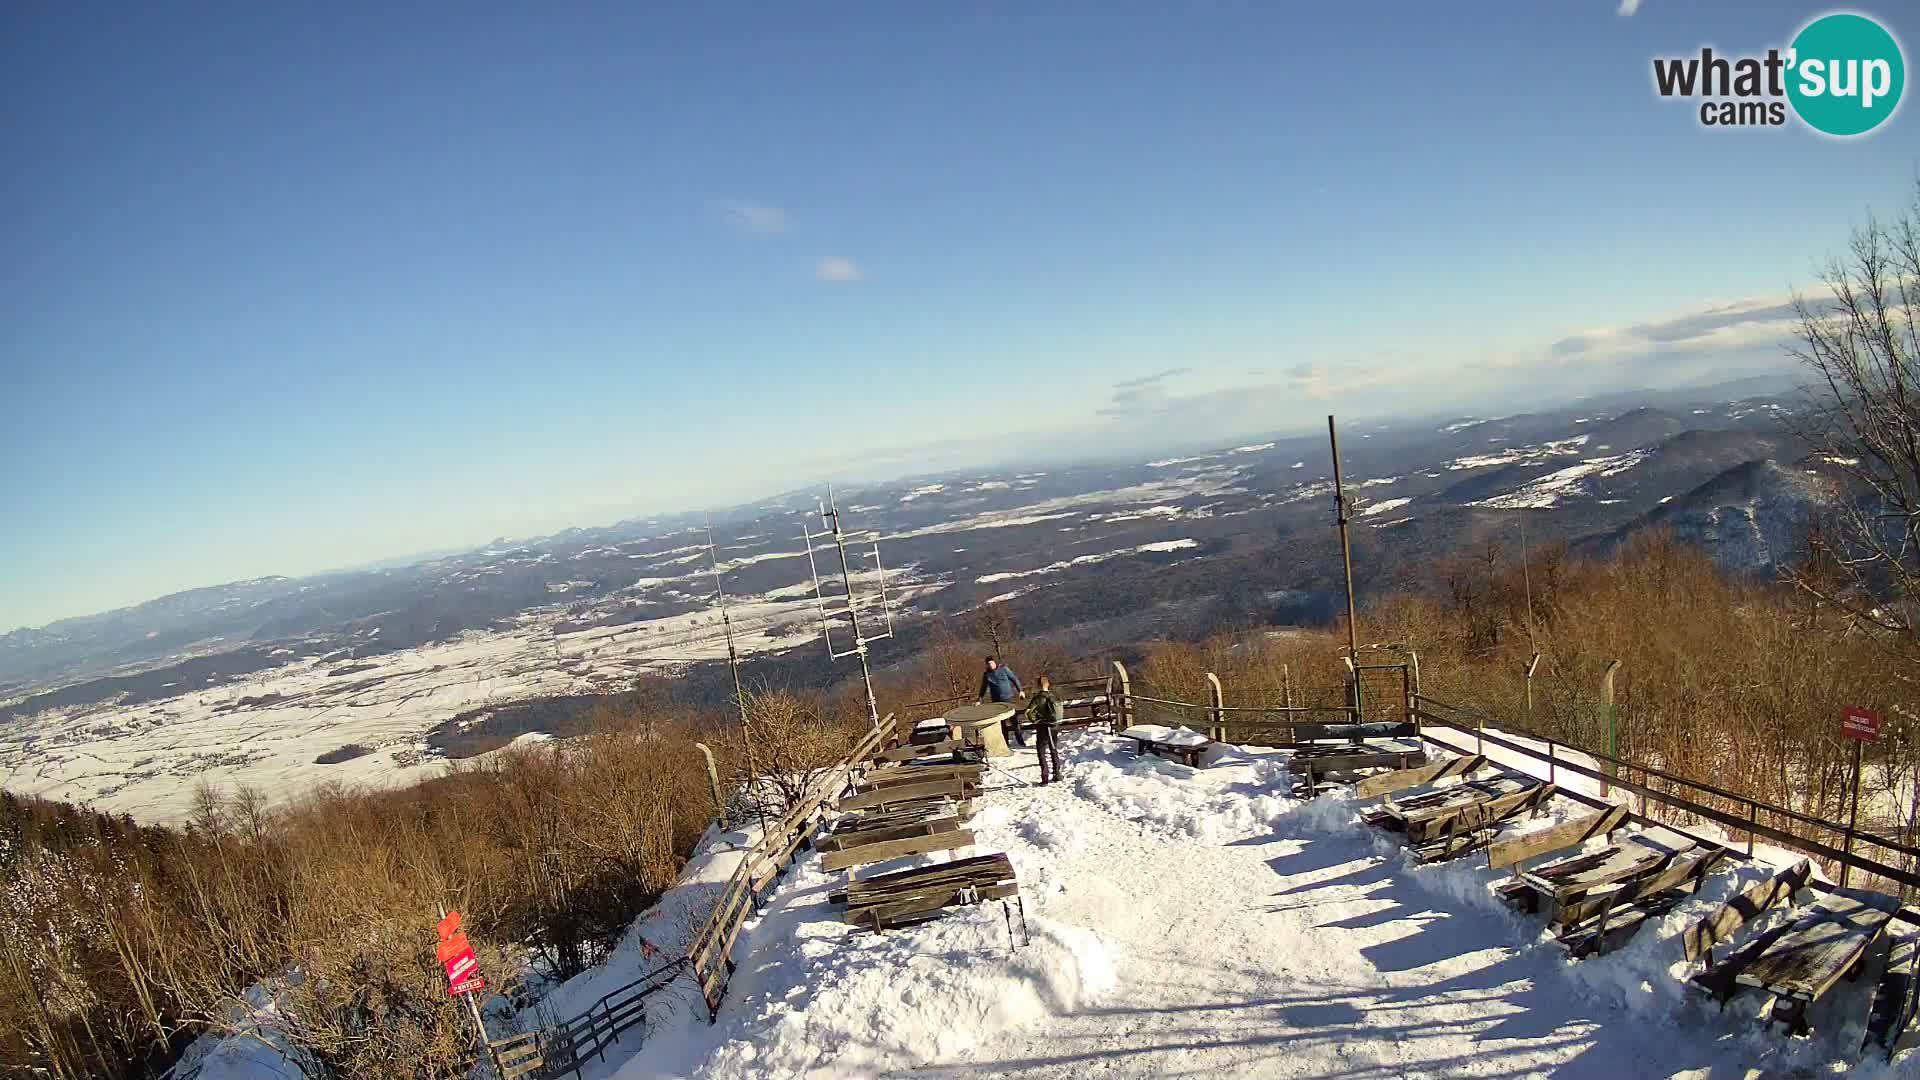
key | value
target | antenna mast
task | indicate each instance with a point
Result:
(1340, 513)
(733, 663)
(830, 520)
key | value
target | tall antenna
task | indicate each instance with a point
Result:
(830, 520)
(733, 663)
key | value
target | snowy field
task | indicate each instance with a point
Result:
(1203, 923)
(268, 729)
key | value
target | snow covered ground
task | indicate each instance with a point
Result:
(1206, 923)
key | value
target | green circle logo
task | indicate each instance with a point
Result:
(1846, 74)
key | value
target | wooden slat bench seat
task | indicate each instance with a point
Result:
(909, 896)
(1825, 943)
(918, 751)
(884, 850)
(1181, 744)
(1628, 906)
(1897, 996)
(1563, 884)
(876, 826)
(1475, 803)
(897, 775)
(956, 788)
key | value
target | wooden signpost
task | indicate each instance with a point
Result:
(1862, 727)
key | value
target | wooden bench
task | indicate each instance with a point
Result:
(914, 819)
(1180, 744)
(1721, 979)
(905, 897)
(1896, 997)
(955, 788)
(1564, 884)
(1628, 907)
(1474, 804)
(899, 775)
(1828, 941)
(1317, 762)
(885, 850)
(918, 751)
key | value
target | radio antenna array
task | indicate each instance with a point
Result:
(830, 521)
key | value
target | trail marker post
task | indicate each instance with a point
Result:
(455, 952)
(1862, 727)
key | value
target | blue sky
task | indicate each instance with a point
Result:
(289, 287)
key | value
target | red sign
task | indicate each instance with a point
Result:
(455, 953)
(1858, 723)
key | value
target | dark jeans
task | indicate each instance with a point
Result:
(1046, 745)
(1010, 727)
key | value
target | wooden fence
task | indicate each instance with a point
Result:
(710, 957)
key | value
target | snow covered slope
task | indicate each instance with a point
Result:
(1205, 923)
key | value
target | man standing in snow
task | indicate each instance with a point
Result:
(1001, 686)
(1046, 713)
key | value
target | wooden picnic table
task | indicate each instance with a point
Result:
(1825, 943)
(1563, 883)
(1421, 816)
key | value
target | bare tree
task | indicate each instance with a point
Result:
(1860, 342)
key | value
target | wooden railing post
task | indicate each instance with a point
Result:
(1612, 713)
(713, 784)
(1217, 715)
(1413, 689)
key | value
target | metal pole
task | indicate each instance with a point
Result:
(1346, 556)
(739, 692)
(1853, 819)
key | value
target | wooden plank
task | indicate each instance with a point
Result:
(1722, 980)
(1895, 996)
(1472, 827)
(1400, 780)
(1700, 938)
(866, 837)
(1578, 831)
(952, 789)
(894, 849)
(876, 890)
(1826, 941)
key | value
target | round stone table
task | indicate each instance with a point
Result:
(979, 725)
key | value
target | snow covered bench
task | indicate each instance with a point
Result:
(1182, 744)
(1564, 885)
(1318, 762)
(1625, 909)
(905, 897)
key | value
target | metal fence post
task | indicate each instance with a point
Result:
(1122, 696)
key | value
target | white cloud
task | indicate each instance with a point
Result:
(837, 268)
(1628, 7)
(753, 217)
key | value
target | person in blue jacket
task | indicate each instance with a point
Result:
(1000, 685)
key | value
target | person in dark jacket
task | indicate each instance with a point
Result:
(1000, 685)
(1046, 714)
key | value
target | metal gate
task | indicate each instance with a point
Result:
(1382, 693)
